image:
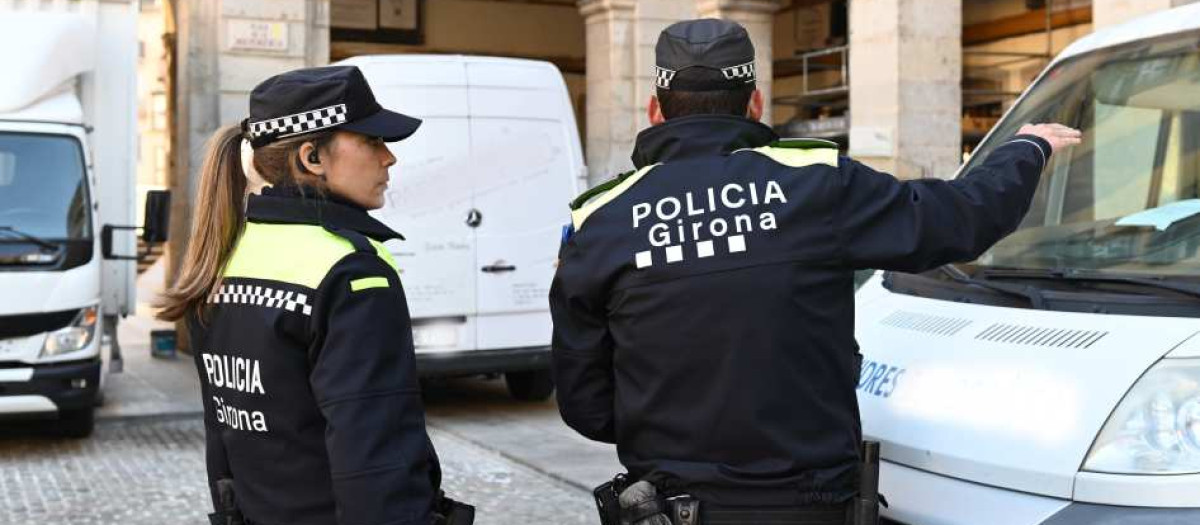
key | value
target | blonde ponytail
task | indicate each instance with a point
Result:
(216, 225)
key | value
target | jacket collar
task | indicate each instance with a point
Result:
(288, 205)
(699, 135)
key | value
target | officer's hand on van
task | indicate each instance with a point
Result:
(1057, 135)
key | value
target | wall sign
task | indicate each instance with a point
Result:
(256, 35)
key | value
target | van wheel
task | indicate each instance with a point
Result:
(77, 423)
(531, 385)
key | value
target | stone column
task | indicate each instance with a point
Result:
(905, 86)
(758, 17)
(1112, 12)
(620, 76)
(224, 48)
(611, 106)
(195, 117)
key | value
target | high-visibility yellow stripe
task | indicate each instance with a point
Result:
(799, 157)
(299, 254)
(581, 215)
(385, 254)
(367, 283)
(293, 253)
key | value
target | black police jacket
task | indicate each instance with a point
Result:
(703, 306)
(307, 369)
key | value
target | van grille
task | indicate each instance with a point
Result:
(930, 324)
(1040, 336)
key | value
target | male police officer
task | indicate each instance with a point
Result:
(703, 304)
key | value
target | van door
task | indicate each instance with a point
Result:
(524, 138)
(429, 198)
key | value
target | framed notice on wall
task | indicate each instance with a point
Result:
(383, 21)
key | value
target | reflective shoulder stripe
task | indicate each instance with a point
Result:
(580, 215)
(384, 254)
(798, 153)
(366, 283)
(292, 253)
(805, 143)
(799, 158)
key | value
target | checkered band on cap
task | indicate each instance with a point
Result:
(662, 77)
(744, 71)
(299, 123)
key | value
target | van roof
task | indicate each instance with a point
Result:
(448, 70)
(1177, 20)
(43, 51)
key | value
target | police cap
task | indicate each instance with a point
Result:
(317, 99)
(717, 45)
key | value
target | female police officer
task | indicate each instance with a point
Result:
(297, 318)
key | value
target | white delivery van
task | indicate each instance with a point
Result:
(1056, 379)
(67, 147)
(481, 193)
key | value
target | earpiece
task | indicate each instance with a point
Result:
(313, 157)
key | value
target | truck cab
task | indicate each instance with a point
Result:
(1056, 379)
(67, 261)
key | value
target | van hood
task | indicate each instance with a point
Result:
(26, 292)
(1006, 397)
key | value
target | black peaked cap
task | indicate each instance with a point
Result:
(719, 45)
(321, 98)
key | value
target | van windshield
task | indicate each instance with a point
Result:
(43, 192)
(1126, 200)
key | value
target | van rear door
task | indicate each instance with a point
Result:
(526, 146)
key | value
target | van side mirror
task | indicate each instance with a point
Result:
(157, 221)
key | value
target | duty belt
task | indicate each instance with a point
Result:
(685, 510)
(688, 511)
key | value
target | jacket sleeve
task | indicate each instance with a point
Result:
(364, 379)
(913, 226)
(582, 351)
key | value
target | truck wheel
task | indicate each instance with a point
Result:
(531, 385)
(77, 423)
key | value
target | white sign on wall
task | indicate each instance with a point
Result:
(256, 35)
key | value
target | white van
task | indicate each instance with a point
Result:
(1056, 379)
(481, 193)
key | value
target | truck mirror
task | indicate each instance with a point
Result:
(158, 216)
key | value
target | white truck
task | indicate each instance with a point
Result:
(67, 178)
(481, 193)
(1056, 379)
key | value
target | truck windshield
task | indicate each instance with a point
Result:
(43, 192)
(1126, 200)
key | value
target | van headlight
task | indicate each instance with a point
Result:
(74, 337)
(1156, 428)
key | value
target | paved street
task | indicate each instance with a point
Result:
(150, 470)
(516, 461)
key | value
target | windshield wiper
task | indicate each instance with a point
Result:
(1095, 277)
(29, 238)
(1029, 293)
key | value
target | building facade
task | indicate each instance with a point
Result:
(907, 86)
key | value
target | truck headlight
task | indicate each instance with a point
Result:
(74, 337)
(1156, 428)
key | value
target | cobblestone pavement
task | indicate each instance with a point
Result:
(151, 471)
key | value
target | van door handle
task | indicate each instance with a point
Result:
(498, 268)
